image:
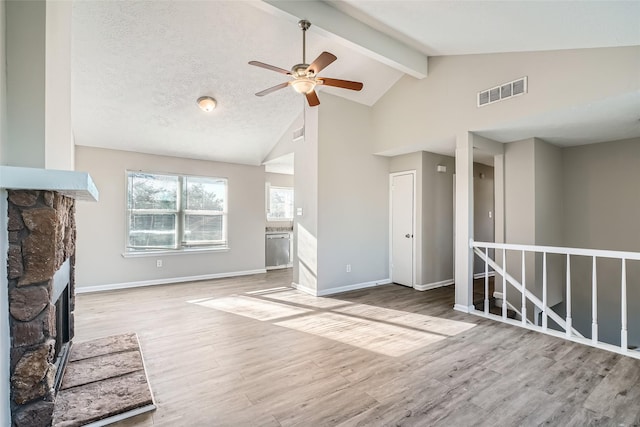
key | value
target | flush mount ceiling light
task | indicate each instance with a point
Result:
(207, 103)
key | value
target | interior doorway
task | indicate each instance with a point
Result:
(402, 227)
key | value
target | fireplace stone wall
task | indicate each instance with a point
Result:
(41, 231)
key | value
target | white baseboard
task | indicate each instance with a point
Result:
(341, 289)
(433, 285)
(279, 267)
(127, 285)
(481, 275)
(353, 287)
(304, 289)
(462, 308)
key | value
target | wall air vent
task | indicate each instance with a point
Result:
(503, 91)
(298, 134)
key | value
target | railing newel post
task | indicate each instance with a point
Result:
(524, 290)
(544, 291)
(594, 302)
(486, 280)
(623, 308)
(504, 284)
(568, 318)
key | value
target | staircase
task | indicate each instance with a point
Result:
(544, 319)
(494, 308)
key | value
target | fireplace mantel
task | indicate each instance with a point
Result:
(77, 185)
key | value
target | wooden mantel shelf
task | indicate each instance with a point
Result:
(77, 185)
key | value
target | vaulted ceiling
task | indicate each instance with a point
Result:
(138, 66)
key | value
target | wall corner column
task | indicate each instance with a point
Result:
(464, 223)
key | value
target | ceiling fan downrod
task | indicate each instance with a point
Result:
(304, 25)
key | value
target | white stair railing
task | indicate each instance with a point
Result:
(481, 249)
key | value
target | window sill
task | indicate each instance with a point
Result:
(173, 252)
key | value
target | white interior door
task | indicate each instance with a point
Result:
(402, 228)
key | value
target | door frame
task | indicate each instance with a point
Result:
(413, 225)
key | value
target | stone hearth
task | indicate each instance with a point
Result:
(41, 230)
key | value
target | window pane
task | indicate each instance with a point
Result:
(152, 230)
(150, 191)
(206, 194)
(203, 228)
(281, 203)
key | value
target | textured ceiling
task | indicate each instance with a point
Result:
(139, 66)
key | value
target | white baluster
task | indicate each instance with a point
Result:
(504, 284)
(569, 320)
(486, 281)
(524, 291)
(544, 291)
(594, 303)
(623, 333)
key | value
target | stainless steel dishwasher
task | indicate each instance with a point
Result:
(277, 250)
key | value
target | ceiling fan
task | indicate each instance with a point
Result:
(305, 76)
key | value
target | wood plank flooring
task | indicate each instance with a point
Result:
(249, 351)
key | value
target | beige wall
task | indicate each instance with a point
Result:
(533, 215)
(353, 192)
(602, 211)
(549, 218)
(305, 245)
(483, 208)
(101, 226)
(59, 145)
(437, 218)
(434, 212)
(414, 112)
(520, 214)
(285, 144)
(25, 44)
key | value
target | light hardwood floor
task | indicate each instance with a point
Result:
(250, 351)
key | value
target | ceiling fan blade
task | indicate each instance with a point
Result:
(270, 67)
(345, 84)
(312, 98)
(272, 89)
(321, 62)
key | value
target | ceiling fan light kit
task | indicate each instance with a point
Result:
(303, 85)
(206, 103)
(304, 76)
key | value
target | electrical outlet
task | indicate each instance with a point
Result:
(158, 263)
(348, 268)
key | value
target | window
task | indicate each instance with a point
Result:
(173, 212)
(280, 204)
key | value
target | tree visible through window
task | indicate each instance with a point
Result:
(175, 212)
(280, 204)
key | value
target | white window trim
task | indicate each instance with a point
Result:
(171, 252)
(190, 249)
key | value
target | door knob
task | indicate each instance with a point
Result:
(408, 236)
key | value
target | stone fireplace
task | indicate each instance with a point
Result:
(41, 256)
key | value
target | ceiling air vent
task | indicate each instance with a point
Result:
(298, 134)
(503, 91)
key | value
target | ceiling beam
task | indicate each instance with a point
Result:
(356, 35)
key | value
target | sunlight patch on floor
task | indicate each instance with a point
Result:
(382, 330)
(296, 297)
(368, 334)
(251, 307)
